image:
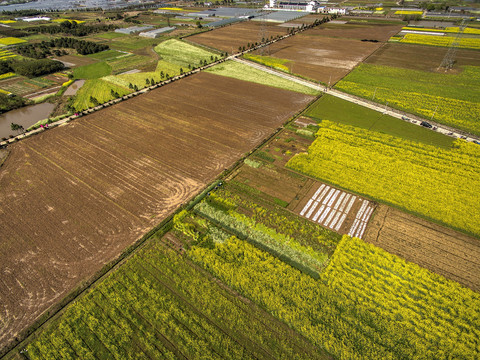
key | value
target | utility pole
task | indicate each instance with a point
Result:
(431, 119)
(449, 59)
(374, 92)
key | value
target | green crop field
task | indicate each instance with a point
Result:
(168, 68)
(106, 55)
(92, 71)
(130, 62)
(110, 35)
(183, 54)
(159, 305)
(345, 112)
(451, 99)
(240, 71)
(307, 251)
(175, 56)
(99, 89)
(11, 41)
(439, 184)
(399, 311)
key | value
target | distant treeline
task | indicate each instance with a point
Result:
(31, 68)
(34, 12)
(26, 12)
(71, 28)
(43, 49)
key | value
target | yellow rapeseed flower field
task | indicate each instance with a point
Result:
(11, 41)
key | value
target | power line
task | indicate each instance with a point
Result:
(449, 59)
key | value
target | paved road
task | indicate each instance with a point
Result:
(414, 119)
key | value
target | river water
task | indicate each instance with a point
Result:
(26, 116)
(70, 4)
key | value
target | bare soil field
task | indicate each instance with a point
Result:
(359, 31)
(319, 57)
(274, 181)
(309, 19)
(74, 197)
(444, 251)
(419, 57)
(229, 38)
(272, 178)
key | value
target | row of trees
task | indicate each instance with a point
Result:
(31, 68)
(72, 28)
(43, 49)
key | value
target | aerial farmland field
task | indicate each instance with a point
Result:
(321, 58)
(438, 184)
(328, 52)
(262, 265)
(420, 57)
(74, 197)
(471, 42)
(448, 98)
(237, 213)
(229, 38)
(161, 305)
(352, 30)
(439, 249)
(167, 59)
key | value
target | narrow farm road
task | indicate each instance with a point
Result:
(414, 119)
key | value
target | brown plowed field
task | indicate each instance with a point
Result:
(444, 251)
(229, 38)
(308, 19)
(321, 58)
(359, 31)
(72, 198)
(419, 57)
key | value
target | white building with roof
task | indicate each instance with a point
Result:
(295, 5)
